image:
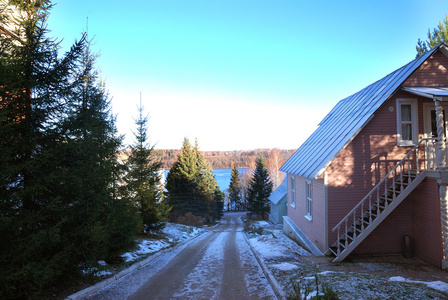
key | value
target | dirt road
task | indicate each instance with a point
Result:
(217, 265)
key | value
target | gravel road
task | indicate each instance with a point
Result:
(217, 265)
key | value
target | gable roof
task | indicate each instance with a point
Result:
(345, 120)
(279, 193)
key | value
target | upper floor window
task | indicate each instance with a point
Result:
(407, 123)
(308, 199)
(293, 191)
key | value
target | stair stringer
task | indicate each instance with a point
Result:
(370, 227)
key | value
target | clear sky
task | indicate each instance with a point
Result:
(241, 74)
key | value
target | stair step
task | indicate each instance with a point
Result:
(334, 250)
(375, 208)
(350, 237)
(392, 190)
(383, 199)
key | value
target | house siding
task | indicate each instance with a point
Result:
(426, 222)
(433, 72)
(388, 237)
(314, 229)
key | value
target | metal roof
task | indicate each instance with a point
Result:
(428, 92)
(279, 193)
(344, 122)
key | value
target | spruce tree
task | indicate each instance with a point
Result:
(260, 189)
(438, 35)
(35, 85)
(212, 197)
(143, 180)
(235, 188)
(58, 159)
(90, 152)
(192, 187)
(181, 184)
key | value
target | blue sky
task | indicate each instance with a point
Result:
(241, 74)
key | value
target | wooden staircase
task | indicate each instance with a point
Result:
(378, 204)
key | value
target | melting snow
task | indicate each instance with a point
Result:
(284, 266)
(145, 247)
(103, 273)
(173, 233)
(179, 232)
(437, 285)
(262, 224)
(270, 247)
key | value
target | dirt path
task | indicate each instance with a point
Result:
(217, 265)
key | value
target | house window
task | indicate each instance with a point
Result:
(293, 191)
(308, 199)
(407, 122)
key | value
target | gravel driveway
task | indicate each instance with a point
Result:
(217, 265)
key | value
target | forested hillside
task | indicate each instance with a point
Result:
(225, 159)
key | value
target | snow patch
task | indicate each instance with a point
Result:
(280, 246)
(144, 248)
(173, 232)
(284, 266)
(102, 263)
(325, 273)
(437, 285)
(263, 224)
(178, 232)
(254, 276)
(103, 273)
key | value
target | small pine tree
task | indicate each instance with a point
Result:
(260, 189)
(235, 189)
(439, 35)
(142, 182)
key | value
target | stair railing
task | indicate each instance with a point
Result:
(386, 188)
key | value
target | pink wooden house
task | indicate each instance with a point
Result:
(375, 170)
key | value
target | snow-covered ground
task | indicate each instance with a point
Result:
(292, 265)
(171, 234)
(203, 268)
(179, 232)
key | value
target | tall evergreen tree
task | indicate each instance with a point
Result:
(181, 183)
(58, 158)
(191, 186)
(260, 189)
(235, 188)
(34, 87)
(212, 197)
(437, 36)
(143, 180)
(89, 154)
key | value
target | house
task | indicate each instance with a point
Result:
(278, 202)
(374, 172)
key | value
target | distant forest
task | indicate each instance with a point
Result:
(224, 159)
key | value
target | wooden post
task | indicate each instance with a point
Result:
(441, 162)
(444, 219)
